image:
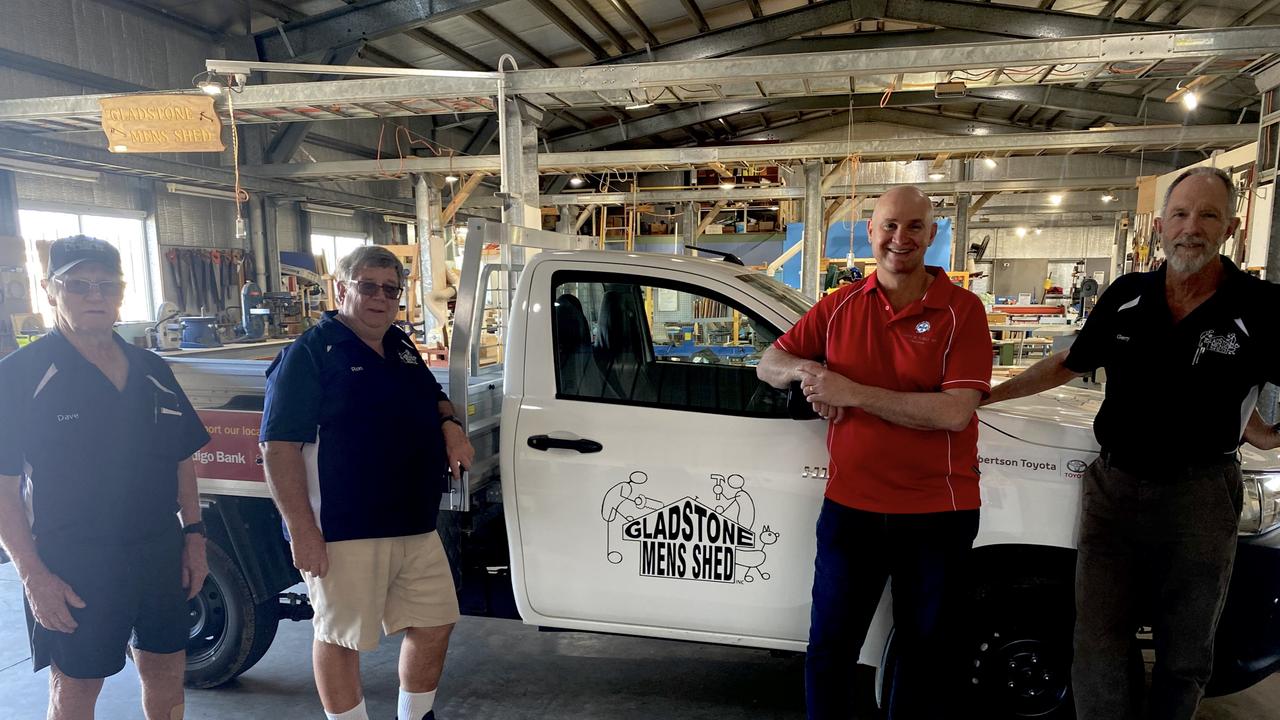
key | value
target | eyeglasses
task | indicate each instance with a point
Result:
(369, 289)
(76, 286)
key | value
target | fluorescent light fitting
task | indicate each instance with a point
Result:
(399, 220)
(990, 163)
(1108, 197)
(210, 87)
(451, 178)
(727, 185)
(639, 106)
(576, 181)
(53, 171)
(935, 175)
(1055, 199)
(1189, 100)
(1020, 231)
(328, 210)
(196, 191)
(1039, 231)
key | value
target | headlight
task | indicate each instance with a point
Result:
(1261, 503)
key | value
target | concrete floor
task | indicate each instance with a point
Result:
(502, 670)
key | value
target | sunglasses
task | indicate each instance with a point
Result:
(369, 289)
(76, 286)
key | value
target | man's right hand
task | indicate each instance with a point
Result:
(309, 552)
(51, 601)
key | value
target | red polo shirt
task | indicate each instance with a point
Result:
(939, 343)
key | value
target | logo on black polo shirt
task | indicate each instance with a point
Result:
(408, 357)
(68, 417)
(1210, 341)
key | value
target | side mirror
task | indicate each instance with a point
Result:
(797, 407)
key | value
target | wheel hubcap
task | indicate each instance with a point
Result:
(1023, 676)
(208, 613)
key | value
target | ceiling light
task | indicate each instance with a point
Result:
(576, 181)
(328, 210)
(980, 131)
(53, 171)
(639, 106)
(1055, 199)
(935, 175)
(989, 162)
(1039, 231)
(1020, 231)
(727, 185)
(197, 191)
(1108, 197)
(210, 87)
(1189, 100)
(451, 178)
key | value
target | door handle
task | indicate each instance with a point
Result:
(546, 442)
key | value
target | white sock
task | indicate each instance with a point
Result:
(413, 706)
(356, 713)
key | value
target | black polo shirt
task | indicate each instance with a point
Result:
(373, 446)
(1179, 393)
(101, 464)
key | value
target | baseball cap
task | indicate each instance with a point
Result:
(68, 252)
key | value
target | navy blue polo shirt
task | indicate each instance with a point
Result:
(370, 429)
(101, 464)
(1182, 392)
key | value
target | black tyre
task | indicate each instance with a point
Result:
(1018, 650)
(705, 357)
(229, 632)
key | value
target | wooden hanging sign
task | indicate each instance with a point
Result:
(161, 123)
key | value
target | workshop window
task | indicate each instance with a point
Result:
(648, 342)
(335, 247)
(128, 235)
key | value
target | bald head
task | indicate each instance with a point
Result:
(904, 201)
(901, 230)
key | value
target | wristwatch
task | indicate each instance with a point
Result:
(195, 528)
(453, 419)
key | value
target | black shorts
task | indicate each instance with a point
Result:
(129, 591)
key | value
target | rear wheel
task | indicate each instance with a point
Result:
(229, 631)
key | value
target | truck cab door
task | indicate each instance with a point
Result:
(655, 493)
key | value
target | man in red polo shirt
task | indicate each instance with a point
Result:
(898, 362)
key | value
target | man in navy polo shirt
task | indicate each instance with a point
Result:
(1187, 350)
(357, 437)
(103, 437)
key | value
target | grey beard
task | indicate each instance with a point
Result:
(1189, 264)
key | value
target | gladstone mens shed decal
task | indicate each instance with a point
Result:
(688, 539)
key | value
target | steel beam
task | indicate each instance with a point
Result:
(872, 41)
(432, 40)
(1010, 19)
(1157, 138)
(1184, 9)
(598, 22)
(65, 73)
(695, 14)
(569, 27)
(496, 29)
(624, 9)
(1256, 12)
(286, 142)
(623, 81)
(167, 18)
(1145, 9)
(1059, 97)
(756, 10)
(24, 146)
(814, 232)
(482, 137)
(368, 20)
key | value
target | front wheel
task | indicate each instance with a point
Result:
(1019, 650)
(229, 631)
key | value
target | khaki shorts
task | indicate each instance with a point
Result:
(382, 585)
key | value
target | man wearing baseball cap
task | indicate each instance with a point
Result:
(98, 501)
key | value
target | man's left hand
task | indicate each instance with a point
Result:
(458, 447)
(195, 565)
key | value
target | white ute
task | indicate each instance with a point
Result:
(621, 488)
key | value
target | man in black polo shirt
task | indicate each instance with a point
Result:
(357, 436)
(1187, 350)
(103, 437)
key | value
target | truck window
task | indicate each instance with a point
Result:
(644, 341)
